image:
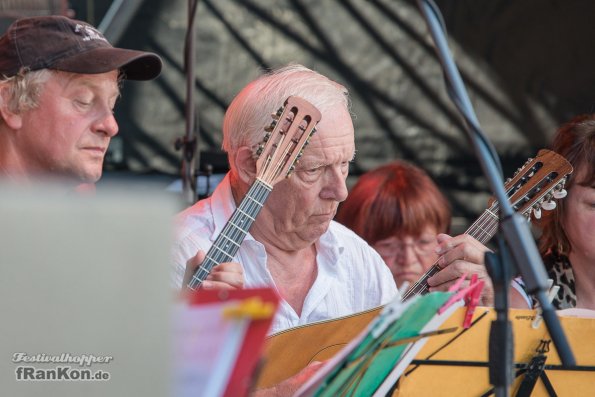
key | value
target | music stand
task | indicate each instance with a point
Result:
(457, 363)
(515, 240)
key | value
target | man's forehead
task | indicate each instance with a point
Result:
(326, 154)
(107, 80)
(335, 140)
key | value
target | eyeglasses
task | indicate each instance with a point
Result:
(422, 246)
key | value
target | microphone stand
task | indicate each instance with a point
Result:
(514, 238)
(189, 142)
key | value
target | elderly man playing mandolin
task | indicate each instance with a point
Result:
(287, 239)
(319, 268)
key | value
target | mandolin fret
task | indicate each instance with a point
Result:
(421, 285)
(484, 228)
(231, 240)
(224, 251)
(241, 220)
(227, 244)
(245, 214)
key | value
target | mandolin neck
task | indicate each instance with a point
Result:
(229, 240)
(483, 229)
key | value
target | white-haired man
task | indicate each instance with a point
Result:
(319, 268)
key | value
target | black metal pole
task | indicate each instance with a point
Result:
(501, 347)
(189, 142)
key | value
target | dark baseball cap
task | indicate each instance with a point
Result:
(60, 43)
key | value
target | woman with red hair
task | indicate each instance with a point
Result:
(399, 211)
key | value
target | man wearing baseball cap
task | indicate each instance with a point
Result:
(58, 87)
(59, 81)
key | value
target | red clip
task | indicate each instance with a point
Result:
(472, 300)
(456, 296)
(455, 287)
(470, 294)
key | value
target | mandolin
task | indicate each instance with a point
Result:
(286, 137)
(533, 188)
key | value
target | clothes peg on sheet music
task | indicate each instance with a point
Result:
(463, 293)
(456, 286)
(252, 308)
(472, 300)
(456, 296)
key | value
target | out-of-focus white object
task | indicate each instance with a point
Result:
(85, 276)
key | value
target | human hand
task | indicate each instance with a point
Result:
(459, 255)
(226, 275)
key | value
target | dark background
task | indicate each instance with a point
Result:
(528, 66)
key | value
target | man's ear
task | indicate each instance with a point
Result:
(11, 118)
(245, 164)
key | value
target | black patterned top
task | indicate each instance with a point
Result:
(559, 269)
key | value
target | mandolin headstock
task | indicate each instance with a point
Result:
(286, 138)
(538, 183)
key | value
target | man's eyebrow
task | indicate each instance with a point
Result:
(93, 85)
(311, 165)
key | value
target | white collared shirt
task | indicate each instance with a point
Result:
(351, 276)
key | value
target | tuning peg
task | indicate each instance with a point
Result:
(548, 205)
(537, 212)
(559, 194)
(259, 150)
(271, 126)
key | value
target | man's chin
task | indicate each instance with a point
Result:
(318, 229)
(89, 176)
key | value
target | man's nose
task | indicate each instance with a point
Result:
(335, 187)
(106, 124)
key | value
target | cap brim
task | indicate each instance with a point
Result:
(135, 65)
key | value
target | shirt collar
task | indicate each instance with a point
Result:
(329, 246)
(223, 204)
